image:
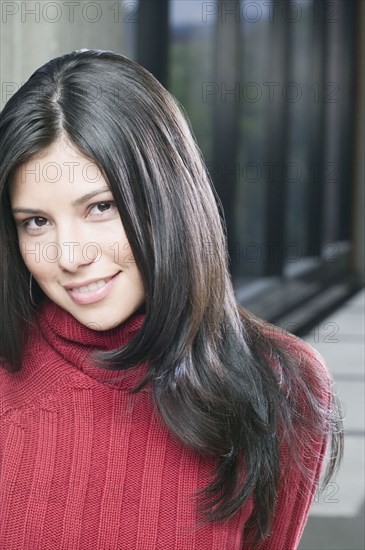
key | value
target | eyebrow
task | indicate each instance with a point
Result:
(75, 203)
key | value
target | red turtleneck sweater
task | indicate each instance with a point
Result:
(86, 466)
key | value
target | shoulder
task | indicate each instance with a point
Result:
(19, 387)
(304, 356)
(5, 387)
(311, 363)
(10, 388)
(307, 381)
(309, 391)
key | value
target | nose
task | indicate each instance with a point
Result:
(75, 252)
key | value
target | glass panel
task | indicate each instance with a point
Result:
(251, 165)
(32, 33)
(334, 98)
(298, 171)
(191, 27)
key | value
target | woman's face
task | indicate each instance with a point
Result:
(71, 235)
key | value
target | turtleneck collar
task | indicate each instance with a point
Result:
(76, 342)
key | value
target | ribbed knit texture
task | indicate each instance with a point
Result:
(84, 465)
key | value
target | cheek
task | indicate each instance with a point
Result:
(134, 284)
(25, 250)
(121, 252)
(41, 270)
(113, 242)
(126, 257)
(35, 259)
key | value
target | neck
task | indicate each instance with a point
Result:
(76, 342)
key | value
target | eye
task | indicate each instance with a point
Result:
(105, 206)
(37, 223)
(26, 223)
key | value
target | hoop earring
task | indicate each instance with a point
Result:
(30, 290)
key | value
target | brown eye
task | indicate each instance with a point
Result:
(27, 223)
(35, 221)
(102, 207)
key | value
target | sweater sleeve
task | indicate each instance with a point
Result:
(296, 490)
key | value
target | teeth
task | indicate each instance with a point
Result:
(90, 287)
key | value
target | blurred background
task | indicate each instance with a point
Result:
(275, 94)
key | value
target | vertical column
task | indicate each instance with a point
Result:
(226, 115)
(33, 32)
(318, 135)
(152, 38)
(276, 147)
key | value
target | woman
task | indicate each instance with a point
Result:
(141, 406)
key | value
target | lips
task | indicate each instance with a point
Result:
(87, 283)
(90, 296)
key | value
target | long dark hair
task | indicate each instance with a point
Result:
(210, 360)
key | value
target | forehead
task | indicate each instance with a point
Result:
(58, 169)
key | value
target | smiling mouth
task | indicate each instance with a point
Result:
(92, 286)
(95, 291)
